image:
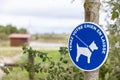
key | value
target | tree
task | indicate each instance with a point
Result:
(1, 29)
(91, 15)
(91, 8)
(10, 29)
(22, 30)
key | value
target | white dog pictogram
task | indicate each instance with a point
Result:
(86, 51)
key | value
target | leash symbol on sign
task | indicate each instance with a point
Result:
(88, 46)
(86, 51)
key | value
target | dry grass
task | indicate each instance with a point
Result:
(4, 43)
(56, 38)
(10, 51)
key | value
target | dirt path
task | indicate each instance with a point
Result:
(8, 60)
(1, 74)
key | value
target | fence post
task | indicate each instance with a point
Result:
(31, 70)
(92, 15)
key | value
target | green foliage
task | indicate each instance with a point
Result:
(47, 68)
(3, 36)
(6, 70)
(22, 30)
(34, 53)
(54, 70)
(16, 74)
(115, 8)
(115, 14)
(10, 29)
(111, 69)
(62, 69)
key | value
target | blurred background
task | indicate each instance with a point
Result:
(45, 25)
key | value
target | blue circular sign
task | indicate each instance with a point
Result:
(88, 46)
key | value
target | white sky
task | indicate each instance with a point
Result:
(43, 16)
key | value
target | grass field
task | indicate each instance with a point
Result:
(10, 51)
(19, 74)
(4, 43)
(57, 38)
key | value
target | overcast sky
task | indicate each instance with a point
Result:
(43, 16)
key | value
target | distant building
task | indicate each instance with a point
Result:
(19, 39)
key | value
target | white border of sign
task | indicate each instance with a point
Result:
(106, 52)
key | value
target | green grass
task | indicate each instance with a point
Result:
(18, 74)
(54, 54)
